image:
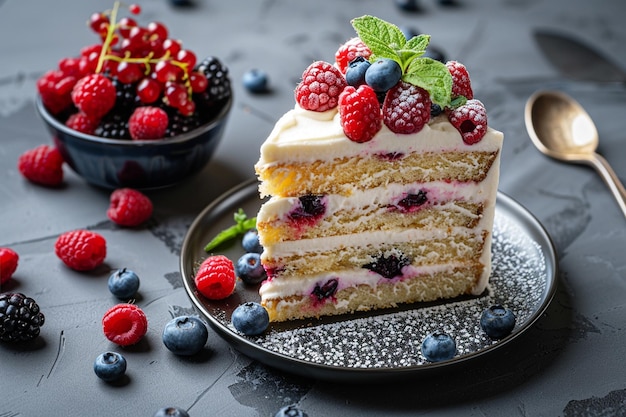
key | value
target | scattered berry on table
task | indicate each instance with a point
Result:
(290, 411)
(461, 83)
(185, 335)
(470, 120)
(81, 250)
(438, 346)
(171, 412)
(8, 264)
(359, 113)
(406, 108)
(42, 165)
(250, 241)
(148, 123)
(355, 74)
(20, 318)
(497, 321)
(123, 283)
(250, 318)
(255, 81)
(383, 74)
(321, 85)
(249, 269)
(124, 324)
(94, 95)
(82, 123)
(215, 278)
(350, 50)
(110, 366)
(129, 207)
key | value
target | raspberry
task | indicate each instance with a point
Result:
(359, 113)
(320, 87)
(215, 278)
(55, 89)
(406, 108)
(20, 318)
(129, 207)
(83, 123)
(124, 324)
(94, 95)
(461, 84)
(42, 165)
(8, 264)
(81, 250)
(349, 51)
(148, 123)
(470, 120)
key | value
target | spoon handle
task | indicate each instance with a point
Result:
(611, 179)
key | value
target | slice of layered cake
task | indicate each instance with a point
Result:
(383, 182)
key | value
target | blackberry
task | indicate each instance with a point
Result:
(435, 110)
(179, 124)
(113, 126)
(388, 266)
(125, 97)
(219, 88)
(20, 318)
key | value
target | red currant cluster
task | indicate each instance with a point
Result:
(145, 67)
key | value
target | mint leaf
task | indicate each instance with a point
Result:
(433, 76)
(382, 38)
(242, 225)
(418, 43)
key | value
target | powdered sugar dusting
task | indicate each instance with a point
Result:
(518, 281)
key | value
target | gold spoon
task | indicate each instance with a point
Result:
(560, 128)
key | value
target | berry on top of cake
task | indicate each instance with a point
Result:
(383, 182)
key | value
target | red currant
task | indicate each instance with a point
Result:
(98, 22)
(187, 57)
(166, 71)
(134, 9)
(187, 108)
(125, 25)
(148, 90)
(198, 82)
(172, 46)
(176, 94)
(128, 72)
(158, 30)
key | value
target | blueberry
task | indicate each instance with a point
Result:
(185, 335)
(328, 289)
(290, 411)
(497, 321)
(110, 366)
(250, 318)
(388, 266)
(123, 283)
(409, 32)
(438, 346)
(171, 412)
(355, 73)
(413, 200)
(435, 53)
(383, 74)
(435, 110)
(255, 80)
(311, 206)
(250, 241)
(408, 5)
(249, 268)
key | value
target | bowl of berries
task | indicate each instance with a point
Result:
(135, 109)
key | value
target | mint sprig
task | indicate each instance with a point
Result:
(242, 225)
(386, 40)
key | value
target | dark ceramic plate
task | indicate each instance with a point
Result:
(386, 343)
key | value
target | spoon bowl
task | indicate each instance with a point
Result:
(561, 129)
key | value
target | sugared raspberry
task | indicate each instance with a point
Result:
(349, 51)
(320, 87)
(129, 207)
(94, 95)
(406, 108)
(42, 165)
(470, 120)
(359, 113)
(215, 278)
(55, 89)
(81, 250)
(461, 84)
(148, 123)
(8, 264)
(83, 123)
(124, 324)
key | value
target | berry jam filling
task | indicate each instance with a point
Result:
(391, 156)
(328, 289)
(311, 208)
(388, 266)
(412, 202)
(273, 272)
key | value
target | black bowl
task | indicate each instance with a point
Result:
(140, 164)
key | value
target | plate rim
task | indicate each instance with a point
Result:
(323, 371)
